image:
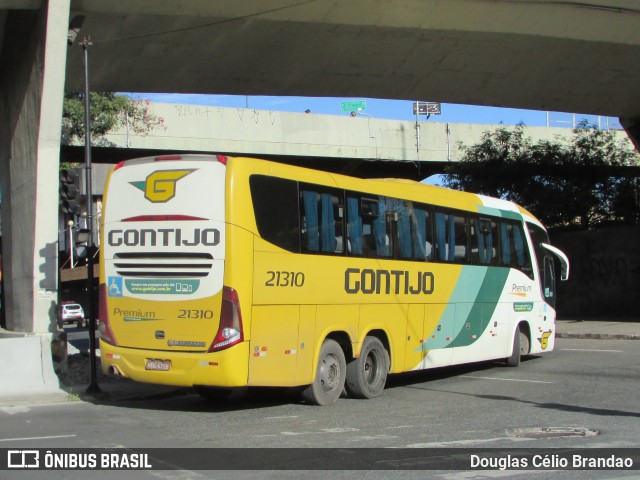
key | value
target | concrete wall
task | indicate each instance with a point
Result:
(26, 365)
(605, 273)
(262, 132)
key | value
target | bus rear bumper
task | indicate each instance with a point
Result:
(228, 368)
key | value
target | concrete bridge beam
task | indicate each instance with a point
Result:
(631, 125)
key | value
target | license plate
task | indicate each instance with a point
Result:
(155, 364)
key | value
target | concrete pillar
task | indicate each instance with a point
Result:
(32, 63)
(632, 127)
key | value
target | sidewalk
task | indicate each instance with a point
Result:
(598, 329)
(73, 385)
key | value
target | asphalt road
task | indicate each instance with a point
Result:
(583, 395)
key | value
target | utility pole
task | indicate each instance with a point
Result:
(93, 386)
(74, 30)
(70, 224)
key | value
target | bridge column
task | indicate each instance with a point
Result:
(632, 126)
(32, 62)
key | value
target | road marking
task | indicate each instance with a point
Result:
(590, 350)
(35, 438)
(14, 410)
(324, 430)
(464, 443)
(486, 474)
(505, 379)
(339, 430)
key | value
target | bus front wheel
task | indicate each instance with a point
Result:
(330, 375)
(520, 348)
(367, 374)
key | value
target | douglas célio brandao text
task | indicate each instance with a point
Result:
(550, 461)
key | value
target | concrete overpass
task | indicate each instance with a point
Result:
(563, 56)
(360, 146)
(572, 56)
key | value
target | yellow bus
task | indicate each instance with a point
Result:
(224, 272)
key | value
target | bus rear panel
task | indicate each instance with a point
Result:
(165, 314)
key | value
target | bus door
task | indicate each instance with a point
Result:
(549, 282)
(548, 274)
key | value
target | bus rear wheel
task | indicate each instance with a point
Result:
(330, 375)
(367, 374)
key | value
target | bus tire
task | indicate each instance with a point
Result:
(330, 375)
(520, 348)
(367, 374)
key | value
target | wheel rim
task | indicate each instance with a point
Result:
(524, 344)
(371, 367)
(330, 373)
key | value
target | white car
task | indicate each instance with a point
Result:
(71, 313)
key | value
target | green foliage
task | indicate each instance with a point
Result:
(563, 182)
(108, 112)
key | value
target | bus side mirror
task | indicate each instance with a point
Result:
(564, 261)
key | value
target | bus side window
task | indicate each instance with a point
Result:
(276, 210)
(461, 253)
(451, 237)
(444, 237)
(412, 231)
(354, 226)
(368, 226)
(381, 229)
(484, 241)
(321, 215)
(403, 242)
(515, 250)
(423, 233)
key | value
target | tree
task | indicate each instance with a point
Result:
(108, 111)
(563, 182)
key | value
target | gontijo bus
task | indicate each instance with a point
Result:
(220, 272)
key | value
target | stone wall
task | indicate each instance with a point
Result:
(605, 273)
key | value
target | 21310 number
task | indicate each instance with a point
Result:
(284, 279)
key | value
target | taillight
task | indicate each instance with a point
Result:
(230, 329)
(222, 159)
(105, 329)
(166, 158)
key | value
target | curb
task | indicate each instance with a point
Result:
(599, 336)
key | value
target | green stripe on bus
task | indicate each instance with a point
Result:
(482, 309)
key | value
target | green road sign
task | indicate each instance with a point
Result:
(355, 106)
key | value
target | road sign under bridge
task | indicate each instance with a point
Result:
(427, 108)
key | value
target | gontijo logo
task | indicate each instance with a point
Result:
(160, 186)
